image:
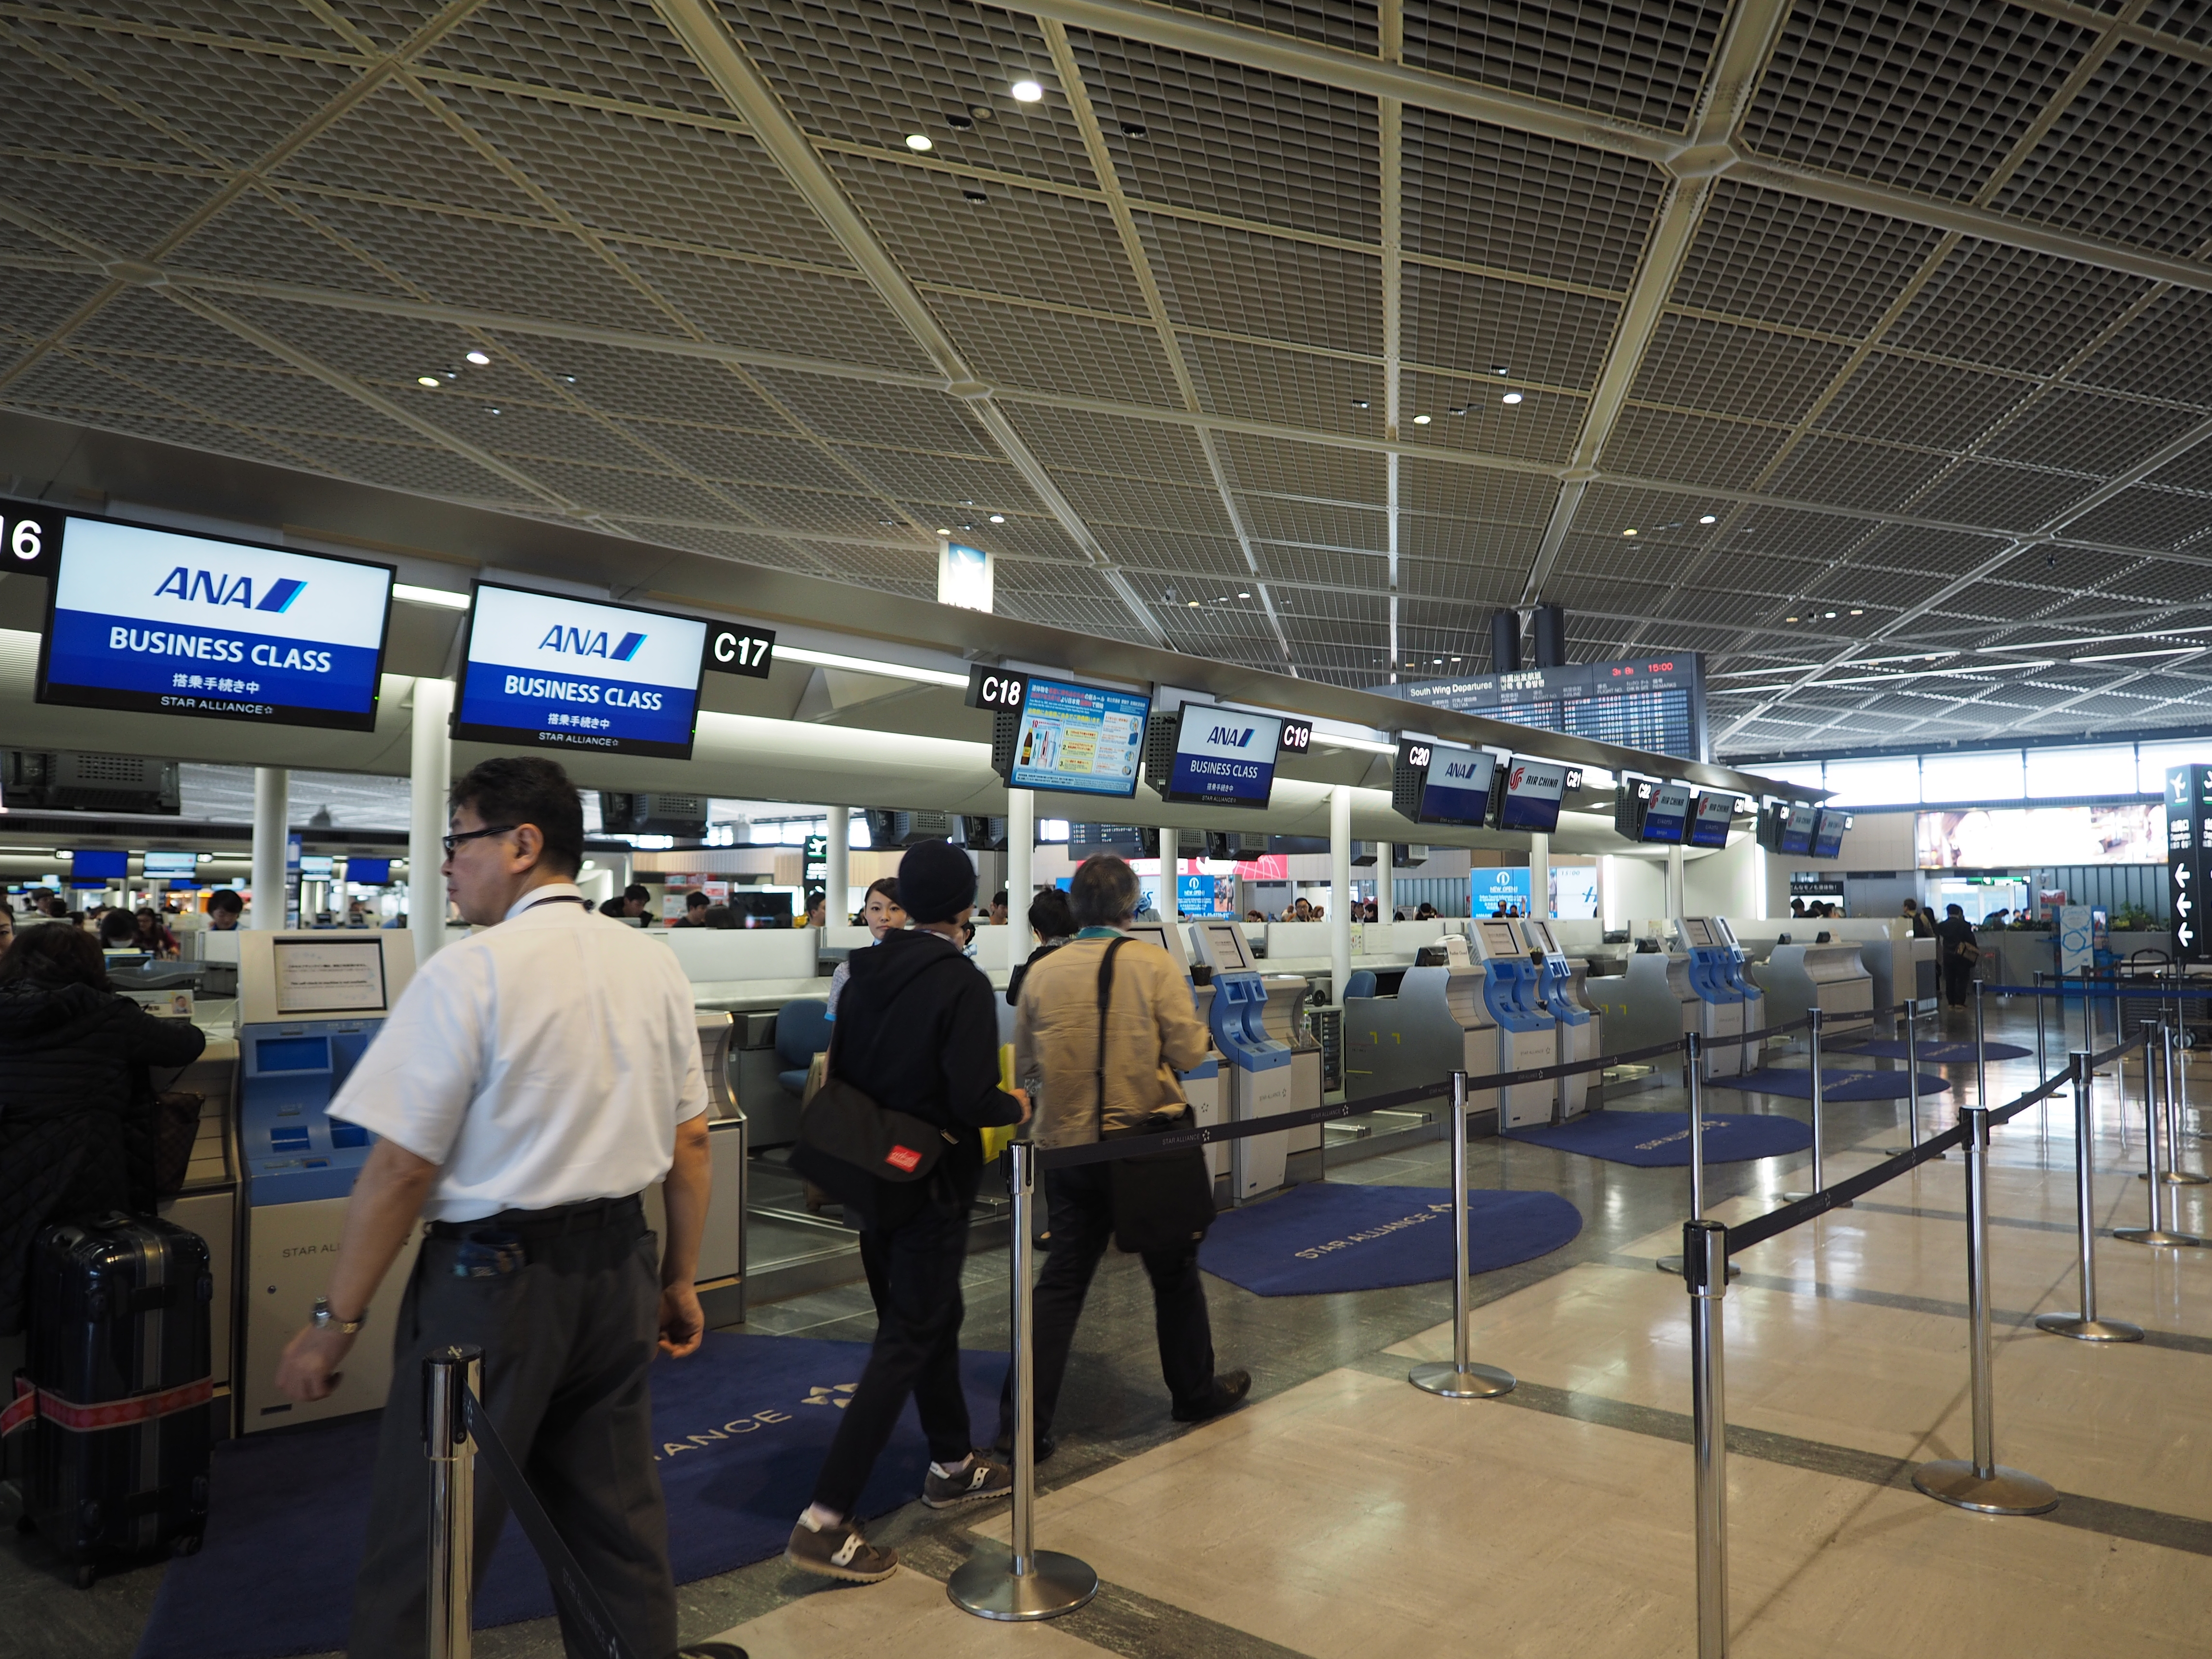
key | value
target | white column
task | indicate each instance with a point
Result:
(1386, 881)
(272, 799)
(430, 774)
(1170, 865)
(838, 868)
(1340, 890)
(1674, 883)
(1539, 876)
(1021, 859)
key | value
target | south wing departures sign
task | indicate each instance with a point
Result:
(2188, 856)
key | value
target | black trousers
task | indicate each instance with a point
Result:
(914, 1274)
(1958, 981)
(567, 1340)
(1079, 1203)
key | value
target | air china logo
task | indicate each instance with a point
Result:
(1232, 737)
(1518, 772)
(587, 642)
(215, 587)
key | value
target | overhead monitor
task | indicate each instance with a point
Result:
(1795, 833)
(550, 671)
(1828, 826)
(171, 866)
(338, 975)
(1082, 739)
(1223, 756)
(1710, 826)
(316, 867)
(98, 864)
(1458, 784)
(1668, 816)
(369, 872)
(159, 622)
(1530, 796)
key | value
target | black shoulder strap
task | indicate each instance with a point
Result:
(1105, 996)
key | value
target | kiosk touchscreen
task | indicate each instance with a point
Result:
(1256, 1067)
(309, 1005)
(1562, 980)
(1201, 1084)
(1528, 1036)
(1725, 996)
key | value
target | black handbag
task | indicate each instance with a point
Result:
(1162, 1200)
(846, 1141)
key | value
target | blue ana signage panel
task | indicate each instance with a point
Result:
(1457, 790)
(164, 623)
(1532, 791)
(1223, 756)
(548, 670)
(1086, 739)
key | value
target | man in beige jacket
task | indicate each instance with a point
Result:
(1091, 1089)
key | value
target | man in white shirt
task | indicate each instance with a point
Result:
(533, 1079)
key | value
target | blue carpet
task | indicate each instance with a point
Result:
(1338, 1236)
(1835, 1085)
(744, 1425)
(1653, 1141)
(1937, 1054)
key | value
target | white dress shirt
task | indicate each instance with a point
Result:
(542, 1061)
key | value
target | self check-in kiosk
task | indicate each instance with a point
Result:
(1727, 1004)
(309, 1005)
(1201, 1084)
(1528, 1035)
(1563, 981)
(1256, 1069)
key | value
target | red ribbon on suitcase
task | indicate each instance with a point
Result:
(32, 1402)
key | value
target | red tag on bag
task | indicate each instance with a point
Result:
(904, 1156)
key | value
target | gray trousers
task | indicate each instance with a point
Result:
(567, 1340)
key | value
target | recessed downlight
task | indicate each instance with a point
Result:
(998, 518)
(1510, 397)
(919, 142)
(1244, 595)
(1420, 420)
(480, 359)
(427, 380)
(1359, 402)
(1709, 518)
(1027, 92)
(1628, 532)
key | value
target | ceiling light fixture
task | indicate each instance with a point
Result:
(1359, 402)
(975, 196)
(1859, 613)
(1497, 368)
(1244, 595)
(427, 380)
(1628, 532)
(1790, 619)
(1027, 92)
(961, 122)
(998, 518)
(444, 600)
(1510, 397)
(1461, 409)
(1710, 518)
(1420, 420)
(479, 358)
(919, 142)
(1133, 128)
(863, 666)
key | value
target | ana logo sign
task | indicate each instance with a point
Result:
(1462, 770)
(1232, 736)
(589, 642)
(214, 587)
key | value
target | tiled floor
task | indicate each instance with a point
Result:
(1345, 1512)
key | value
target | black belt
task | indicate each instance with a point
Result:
(590, 1215)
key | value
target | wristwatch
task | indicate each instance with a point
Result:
(323, 1319)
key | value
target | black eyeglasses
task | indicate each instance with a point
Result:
(452, 842)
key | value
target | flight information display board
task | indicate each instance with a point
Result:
(1655, 703)
(1084, 739)
(1223, 756)
(543, 669)
(160, 622)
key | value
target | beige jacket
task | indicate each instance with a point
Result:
(1151, 1032)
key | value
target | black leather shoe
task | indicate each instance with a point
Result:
(711, 1650)
(1229, 1391)
(1003, 1450)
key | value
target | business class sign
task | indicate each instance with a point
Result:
(164, 623)
(549, 671)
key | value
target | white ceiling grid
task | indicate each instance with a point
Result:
(1912, 303)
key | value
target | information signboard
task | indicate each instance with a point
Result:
(1458, 785)
(2188, 855)
(1084, 739)
(160, 622)
(1223, 756)
(543, 668)
(1654, 702)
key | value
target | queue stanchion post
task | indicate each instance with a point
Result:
(1460, 1379)
(1027, 1584)
(449, 1377)
(2175, 1175)
(1981, 1483)
(2086, 1327)
(1911, 1083)
(2042, 1060)
(1693, 1055)
(2157, 1233)
(1706, 1272)
(1819, 1088)
(1981, 1048)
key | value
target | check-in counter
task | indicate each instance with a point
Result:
(1650, 1002)
(1438, 1023)
(1799, 977)
(1284, 1015)
(1878, 952)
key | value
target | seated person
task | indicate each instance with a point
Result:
(224, 908)
(118, 931)
(153, 935)
(695, 910)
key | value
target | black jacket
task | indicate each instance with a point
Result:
(916, 1032)
(1954, 933)
(76, 1113)
(1022, 970)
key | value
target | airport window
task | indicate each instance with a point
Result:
(1990, 775)
(1891, 780)
(2053, 774)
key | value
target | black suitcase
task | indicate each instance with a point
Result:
(117, 1388)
